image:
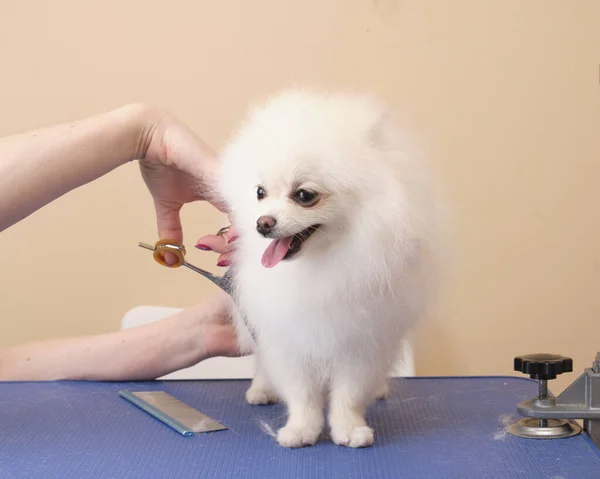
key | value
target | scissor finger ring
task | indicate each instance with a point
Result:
(223, 230)
(164, 246)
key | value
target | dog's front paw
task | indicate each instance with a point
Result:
(361, 436)
(260, 396)
(298, 436)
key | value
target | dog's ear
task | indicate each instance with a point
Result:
(377, 132)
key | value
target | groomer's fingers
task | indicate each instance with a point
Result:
(232, 234)
(215, 243)
(225, 259)
(218, 243)
(169, 226)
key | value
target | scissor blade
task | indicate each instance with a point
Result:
(215, 279)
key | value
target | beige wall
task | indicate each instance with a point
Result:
(506, 93)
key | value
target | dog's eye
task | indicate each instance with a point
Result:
(305, 197)
(260, 193)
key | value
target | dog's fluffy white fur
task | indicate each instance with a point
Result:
(327, 322)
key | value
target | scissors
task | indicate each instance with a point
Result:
(224, 282)
(163, 246)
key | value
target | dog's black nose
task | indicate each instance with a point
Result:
(265, 224)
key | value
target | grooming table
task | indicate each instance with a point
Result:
(438, 428)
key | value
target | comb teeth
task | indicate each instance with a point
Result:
(181, 417)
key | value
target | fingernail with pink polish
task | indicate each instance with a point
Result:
(203, 247)
(232, 239)
(223, 263)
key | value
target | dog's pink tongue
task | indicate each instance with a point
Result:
(276, 251)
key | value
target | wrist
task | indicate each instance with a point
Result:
(142, 121)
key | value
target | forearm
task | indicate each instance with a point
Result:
(141, 353)
(39, 166)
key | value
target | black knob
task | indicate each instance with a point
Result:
(543, 366)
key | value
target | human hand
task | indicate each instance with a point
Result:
(178, 168)
(223, 244)
(218, 336)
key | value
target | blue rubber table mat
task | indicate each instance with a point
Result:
(438, 428)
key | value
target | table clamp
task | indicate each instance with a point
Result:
(549, 417)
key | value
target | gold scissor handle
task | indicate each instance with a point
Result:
(163, 246)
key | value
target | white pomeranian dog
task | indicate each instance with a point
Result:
(335, 259)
